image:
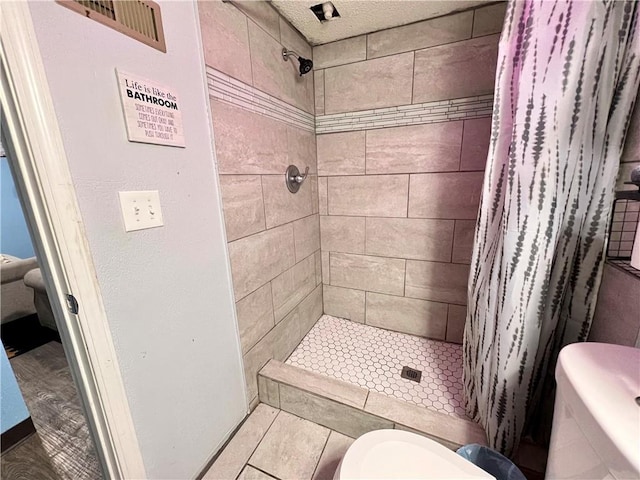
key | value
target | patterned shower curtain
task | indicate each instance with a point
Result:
(567, 78)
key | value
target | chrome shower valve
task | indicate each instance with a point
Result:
(293, 179)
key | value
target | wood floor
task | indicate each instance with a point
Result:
(28, 460)
(62, 448)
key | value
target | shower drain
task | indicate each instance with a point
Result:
(411, 374)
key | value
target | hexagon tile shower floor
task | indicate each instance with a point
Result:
(373, 358)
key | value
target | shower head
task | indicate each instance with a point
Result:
(305, 64)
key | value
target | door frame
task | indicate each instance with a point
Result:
(32, 139)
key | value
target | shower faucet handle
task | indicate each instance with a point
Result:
(300, 178)
(293, 179)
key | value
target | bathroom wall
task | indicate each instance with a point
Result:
(631, 153)
(617, 316)
(166, 291)
(403, 122)
(625, 216)
(263, 121)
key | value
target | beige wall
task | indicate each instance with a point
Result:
(631, 154)
(617, 316)
(273, 235)
(398, 204)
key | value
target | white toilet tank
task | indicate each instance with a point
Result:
(596, 423)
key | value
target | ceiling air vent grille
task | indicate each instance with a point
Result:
(139, 19)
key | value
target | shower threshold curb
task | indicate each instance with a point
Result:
(353, 410)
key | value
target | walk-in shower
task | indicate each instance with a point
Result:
(373, 358)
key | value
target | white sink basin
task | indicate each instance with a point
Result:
(596, 426)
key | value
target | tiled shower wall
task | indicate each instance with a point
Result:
(625, 215)
(631, 154)
(263, 121)
(617, 316)
(400, 181)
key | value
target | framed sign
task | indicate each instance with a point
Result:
(152, 112)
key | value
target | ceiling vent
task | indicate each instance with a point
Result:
(325, 11)
(137, 19)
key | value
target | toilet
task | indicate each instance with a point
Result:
(396, 454)
(596, 428)
(597, 413)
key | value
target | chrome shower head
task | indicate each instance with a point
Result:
(305, 64)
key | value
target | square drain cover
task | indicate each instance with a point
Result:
(411, 374)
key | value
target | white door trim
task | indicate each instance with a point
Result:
(33, 141)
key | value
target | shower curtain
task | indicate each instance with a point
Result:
(567, 78)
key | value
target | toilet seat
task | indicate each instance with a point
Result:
(396, 454)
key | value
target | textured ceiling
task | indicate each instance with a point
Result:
(358, 17)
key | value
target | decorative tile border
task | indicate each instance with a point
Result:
(229, 90)
(420, 113)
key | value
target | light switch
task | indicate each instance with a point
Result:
(141, 210)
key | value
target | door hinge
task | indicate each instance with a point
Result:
(72, 304)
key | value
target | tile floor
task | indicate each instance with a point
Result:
(373, 358)
(273, 444)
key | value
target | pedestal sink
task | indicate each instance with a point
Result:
(596, 423)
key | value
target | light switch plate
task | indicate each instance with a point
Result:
(141, 210)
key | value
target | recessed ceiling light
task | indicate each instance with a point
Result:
(325, 11)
